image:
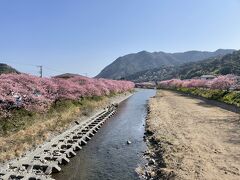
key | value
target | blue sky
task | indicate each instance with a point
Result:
(83, 36)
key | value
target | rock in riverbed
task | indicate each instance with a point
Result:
(152, 162)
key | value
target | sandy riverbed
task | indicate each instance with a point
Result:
(192, 139)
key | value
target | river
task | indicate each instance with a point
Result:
(108, 156)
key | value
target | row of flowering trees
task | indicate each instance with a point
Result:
(221, 82)
(38, 94)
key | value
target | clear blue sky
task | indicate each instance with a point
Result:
(83, 36)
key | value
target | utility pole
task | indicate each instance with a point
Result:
(40, 71)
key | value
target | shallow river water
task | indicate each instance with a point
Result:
(107, 155)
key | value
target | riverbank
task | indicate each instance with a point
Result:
(36, 128)
(229, 97)
(189, 138)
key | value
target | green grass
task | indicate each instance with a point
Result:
(18, 120)
(229, 97)
(21, 118)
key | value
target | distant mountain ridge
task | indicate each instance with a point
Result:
(5, 69)
(133, 63)
(221, 65)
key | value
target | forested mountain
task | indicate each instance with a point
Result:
(228, 64)
(137, 62)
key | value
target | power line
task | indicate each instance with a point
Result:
(41, 67)
(53, 70)
(32, 65)
(23, 64)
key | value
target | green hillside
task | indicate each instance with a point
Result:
(4, 69)
(228, 64)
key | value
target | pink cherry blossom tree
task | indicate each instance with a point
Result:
(38, 94)
(220, 82)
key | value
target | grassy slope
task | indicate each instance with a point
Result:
(229, 97)
(24, 130)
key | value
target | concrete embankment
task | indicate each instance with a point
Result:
(45, 160)
(189, 138)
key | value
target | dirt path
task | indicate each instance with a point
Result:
(195, 139)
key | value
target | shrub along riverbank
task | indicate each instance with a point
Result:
(229, 97)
